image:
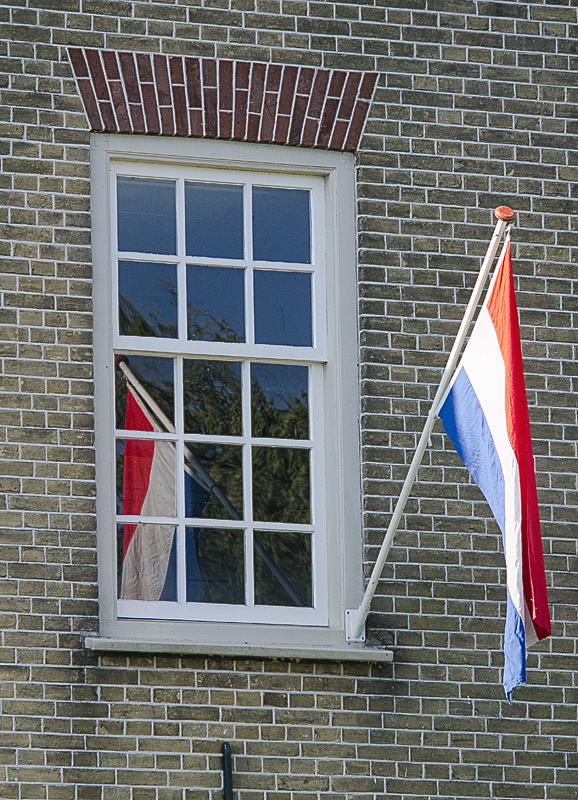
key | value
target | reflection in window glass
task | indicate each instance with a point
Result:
(215, 566)
(282, 568)
(283, 308)
(147, 299)
(155, 374)
(281, 490)
(145, 478)
(214, 220)
(216, 304)
(146, 215)
(279, 401)
(212, 397)
(147, 562)
(281, 225)
(213, 481)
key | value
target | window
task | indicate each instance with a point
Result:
(227, 442)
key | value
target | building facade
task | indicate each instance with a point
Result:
(269, 215)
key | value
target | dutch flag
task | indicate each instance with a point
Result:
(149, 557)
(148, 486)
(485, 414)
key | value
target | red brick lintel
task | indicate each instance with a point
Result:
(219, 99)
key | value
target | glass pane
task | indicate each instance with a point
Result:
(214, 220)
(281, 225)
(147, 562)
(146, 216)
(216, 304)
(147, 299)
(279, 402)
(145, 478)
(282, 568)
(215, 566)
(281, 484)
(213, 481)
(283, 308)
(212, 397)
(155, 375)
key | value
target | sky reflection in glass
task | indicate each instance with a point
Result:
(146, 215)
(283, 308)
(214, 220)
(215, 304)
(147, 297)
(281, 225)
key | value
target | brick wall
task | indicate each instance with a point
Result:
(475, 107)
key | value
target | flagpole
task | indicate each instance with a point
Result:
(355, 617)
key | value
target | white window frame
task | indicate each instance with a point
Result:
(335, 417)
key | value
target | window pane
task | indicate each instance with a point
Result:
(214, 220)
(146, 216)
(212, 397)
(283, 308)
(279, 401)
(213, 481)
(155, 374)
(216, 304)
(282, 568)
(147, 299)
(145, 478)
(281, 225)
(147, 562)
(281, 485)
(215, 566)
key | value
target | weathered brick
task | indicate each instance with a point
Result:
(475, 107)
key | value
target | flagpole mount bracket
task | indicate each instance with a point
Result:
(352, 624)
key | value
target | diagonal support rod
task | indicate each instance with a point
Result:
(355, 617)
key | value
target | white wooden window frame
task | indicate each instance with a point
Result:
(333, 385)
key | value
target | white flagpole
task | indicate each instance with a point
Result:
(355, 617)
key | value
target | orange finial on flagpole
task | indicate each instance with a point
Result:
(504, 213)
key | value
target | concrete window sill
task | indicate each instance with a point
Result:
(353, 653)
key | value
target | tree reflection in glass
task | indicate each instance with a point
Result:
(281, 486)
(212, 397)
(282, 568)
(217, 470)
(215, 565)
(279, 401)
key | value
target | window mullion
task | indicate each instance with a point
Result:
(248, 233)
(180, 455)
(179, 411)
(248, 484)
(181, 251)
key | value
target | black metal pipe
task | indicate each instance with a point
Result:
(227, 771)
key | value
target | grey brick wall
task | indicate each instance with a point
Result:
(476, 107)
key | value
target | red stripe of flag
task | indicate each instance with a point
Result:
(504, 315)
(138, 461)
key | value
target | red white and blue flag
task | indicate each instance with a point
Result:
(148, 491)
(149, 552)
(485, 414)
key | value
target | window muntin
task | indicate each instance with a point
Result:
(223, 358)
